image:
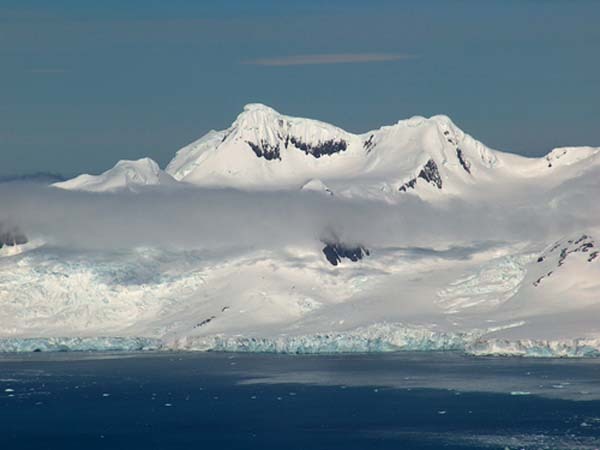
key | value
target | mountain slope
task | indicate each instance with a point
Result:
(129, 175)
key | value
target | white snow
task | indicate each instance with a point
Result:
(273, 301)
(124, 175)
(317, 186)
(566, 156)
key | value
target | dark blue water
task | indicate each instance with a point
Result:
(220, 401)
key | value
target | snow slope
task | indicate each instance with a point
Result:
(125, 174)
(497, 287)
(294, 300)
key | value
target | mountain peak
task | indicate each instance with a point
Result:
(251, 107)
(567, 156)
(256, 114)
(143, 163)
(126, 174)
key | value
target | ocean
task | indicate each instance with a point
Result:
(266, 401)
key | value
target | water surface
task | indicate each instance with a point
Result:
(253, 401)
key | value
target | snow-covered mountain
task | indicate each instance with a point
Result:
(413, 236)
(125, 174)
(266, 150)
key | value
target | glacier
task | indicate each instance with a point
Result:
(568, 348)
(374, 339)
(78, 344)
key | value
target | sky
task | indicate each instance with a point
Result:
(84, 84)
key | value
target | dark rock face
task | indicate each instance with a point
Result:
(408, 185)
(431, 174)
(369, 144)
(317, 150)
(272, 152)
(463, 161)
(205, 322)
(265, 150)
(584, 244)
(537, 282)
(563, 255)
(334, 252)
(11, 237)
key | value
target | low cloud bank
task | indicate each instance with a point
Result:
(208, 218)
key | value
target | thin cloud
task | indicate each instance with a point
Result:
(196, 218)
(335, 58)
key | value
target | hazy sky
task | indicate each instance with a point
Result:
(85, 83)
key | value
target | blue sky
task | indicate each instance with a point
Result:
(87, 83)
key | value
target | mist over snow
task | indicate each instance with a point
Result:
(211, 218)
